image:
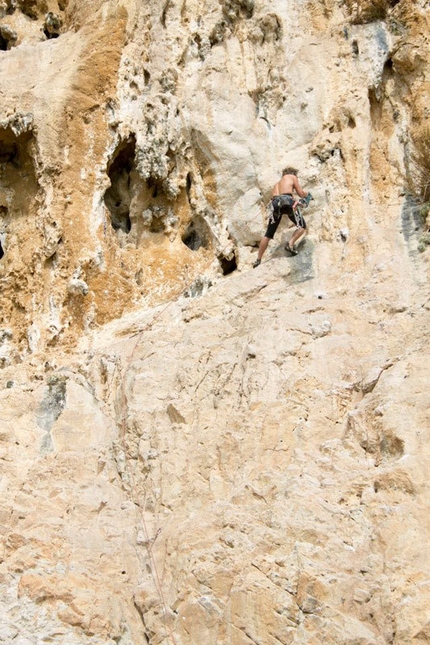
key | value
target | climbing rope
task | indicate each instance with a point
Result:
(149, 542)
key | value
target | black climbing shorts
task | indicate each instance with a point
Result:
(273, 225)
(283, 205)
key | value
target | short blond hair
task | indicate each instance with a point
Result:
(289, 171)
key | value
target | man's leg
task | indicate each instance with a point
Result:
(274, 220)
(261, 249)
(263, 246)
(297, 218)
(296, 236)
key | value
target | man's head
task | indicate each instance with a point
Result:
(289, 171)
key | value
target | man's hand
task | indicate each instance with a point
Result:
(305, 200)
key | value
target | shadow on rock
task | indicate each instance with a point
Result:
(301, 264)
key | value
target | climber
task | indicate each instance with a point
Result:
(283, 202)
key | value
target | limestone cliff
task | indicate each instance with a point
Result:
(193, 451)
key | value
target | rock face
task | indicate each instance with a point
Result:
(194, 451)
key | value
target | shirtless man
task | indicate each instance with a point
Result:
(284, 202)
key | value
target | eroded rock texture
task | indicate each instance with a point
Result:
(194, 451)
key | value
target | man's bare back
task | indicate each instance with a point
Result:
(287, 184)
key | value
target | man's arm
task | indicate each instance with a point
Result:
(299, 190)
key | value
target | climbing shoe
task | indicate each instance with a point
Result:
(256, 263)
(290, 249)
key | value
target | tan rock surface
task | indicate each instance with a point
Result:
(192, 451)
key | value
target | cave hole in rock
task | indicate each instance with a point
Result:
(197, 234)
(218, 34)
(188, 187)
(118, 197)
(3, 43)
(29, 8)
(228, 264)
(17, 172)
(373, 99)
(351, 122)
(9, 152)
(157, 204)
(157, 224)
(8, 38)
(153, 187)
(51, 261)
(388, 70)
(52, 25)
(18, 184)
(355, 48)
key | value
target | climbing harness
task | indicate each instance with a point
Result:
(277, 203)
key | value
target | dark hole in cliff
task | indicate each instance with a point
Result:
(355, 48)
(50, 35)
(9, 152)
(17, 170)
(192, 240)
(1, 250)
(228, 265)
(188, 187)
(52, 25)
(351, 122)
(29, 8)
(157, 225)
(164, 14)
(118, 197)
(51, 261)
(152, 185)
(218, 33)
(8, 38)
(197, 234)
(388, 71)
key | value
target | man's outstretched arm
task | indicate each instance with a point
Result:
(299, 190)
